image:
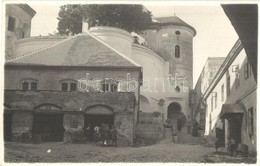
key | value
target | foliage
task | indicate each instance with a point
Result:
(128, 17)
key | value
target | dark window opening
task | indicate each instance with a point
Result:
(11, 23)
(29, 85)
(25, 86)
(228, 86)
(222, 92)
(216, 100)
(177, 89)
(177, 51)
(177, 32)
(33, 85)
(64, 86)
(73, 86)
(247, 71)
(105, 87)
(22, 35)
(251, 120)
(114, 87)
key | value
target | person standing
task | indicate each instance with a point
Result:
(179, 124)
(97, 133)
(189, 125)
(113, 133)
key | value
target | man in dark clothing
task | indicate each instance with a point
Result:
(113, 133)
(179, 124)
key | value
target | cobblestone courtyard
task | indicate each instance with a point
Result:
(60, 152)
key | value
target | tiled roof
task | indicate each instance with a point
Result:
(81, 50)
(175, 21)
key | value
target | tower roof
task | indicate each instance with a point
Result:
(174, 20)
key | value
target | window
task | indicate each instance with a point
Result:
(177, 51)
(228, 86)
(247, 70)
(211, 104)
(251, 121)
(68, 85)
(237, 81)
(105, 87)
(216, 100)
(64, 86)
(109, 87)
(22, 35)
(11, 23)
(222, 93)
(29, 84)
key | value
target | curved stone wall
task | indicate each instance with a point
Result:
(118, 39)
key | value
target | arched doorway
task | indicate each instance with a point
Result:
(175, 112)
(47, 123)
(96, 116)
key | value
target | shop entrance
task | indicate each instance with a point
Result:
(48, 124)
(96, 116)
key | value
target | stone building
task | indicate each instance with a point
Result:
(231, 101)
(207, 74)
(57, 91)
(160, 70)
(18, 20)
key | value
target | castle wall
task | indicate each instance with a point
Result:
(118, 39)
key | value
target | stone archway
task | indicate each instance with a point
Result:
(47, 123)
(95, 116)
(174, 113)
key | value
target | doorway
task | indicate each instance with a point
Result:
(48, 127)
(96, 116)
(7, 126)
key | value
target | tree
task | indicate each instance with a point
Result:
(70, 19)
(128, 17)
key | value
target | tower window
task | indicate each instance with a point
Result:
(177, 51)
(11, 23)
(177, 32)
(228, 86)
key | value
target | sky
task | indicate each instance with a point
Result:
(215, 34)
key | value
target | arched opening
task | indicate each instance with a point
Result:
(47, 123)
(175, 112)
(177, 51)
(96, 116)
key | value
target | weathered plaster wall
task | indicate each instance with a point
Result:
(22, 24)
(22, 126)
(150, 127)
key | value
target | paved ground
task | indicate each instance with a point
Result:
(164, 151)
(59, 152)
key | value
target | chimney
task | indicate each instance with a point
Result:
(84, 27)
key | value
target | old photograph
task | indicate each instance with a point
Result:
(129, 82)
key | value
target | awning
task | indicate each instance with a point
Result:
(229, 110)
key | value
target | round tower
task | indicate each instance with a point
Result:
(174, 39)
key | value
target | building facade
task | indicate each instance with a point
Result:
(18, 20)
(231, 101)
(208, 72)
(154, 78)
